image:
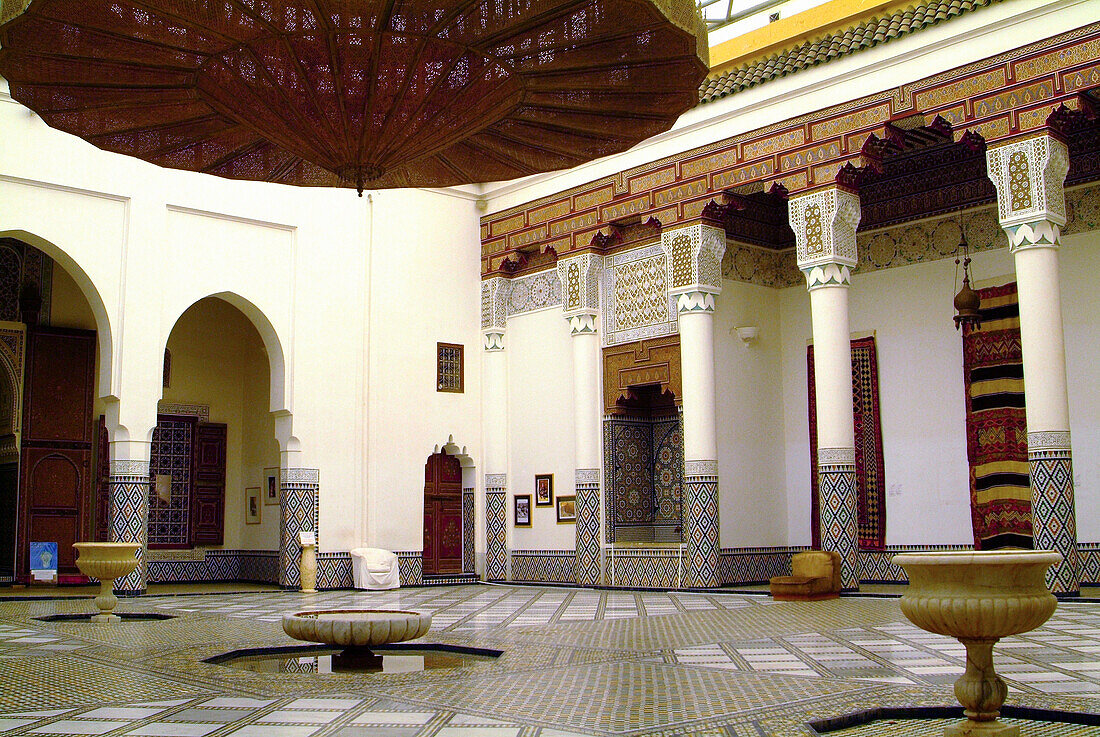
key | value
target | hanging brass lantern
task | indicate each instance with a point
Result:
(967, 302)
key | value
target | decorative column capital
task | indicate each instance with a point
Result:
(1028, 174)
(493, 339)
(695, 301)
(494, 303)
(824, 224)
(580, 283)
(827, 275)
(693, 259)
(583, 323)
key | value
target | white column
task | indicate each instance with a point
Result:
(579, 277)
(824, 223)
(1029, 174)
(693, 255)
(495, 426)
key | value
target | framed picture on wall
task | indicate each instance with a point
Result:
(544, 490)
(252, 506)
(523, 510)
(271, 486)
(567, 510)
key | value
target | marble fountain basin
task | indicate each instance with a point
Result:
(356, 629)
(106, 562)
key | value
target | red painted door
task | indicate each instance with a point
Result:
(56, 457)
(442, 515)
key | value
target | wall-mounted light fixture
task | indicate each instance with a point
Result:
(748, 333)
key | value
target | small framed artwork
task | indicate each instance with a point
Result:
(544, 490)
(567, 510)
(252, 506)
(523, 510)
(271, 486)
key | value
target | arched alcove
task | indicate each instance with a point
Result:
(215, 457)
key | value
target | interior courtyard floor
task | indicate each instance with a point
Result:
(575, 662)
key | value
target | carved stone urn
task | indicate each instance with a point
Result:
(979, 597)
(356, 630)
(106, 561)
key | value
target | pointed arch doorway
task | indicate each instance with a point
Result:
(442, 515)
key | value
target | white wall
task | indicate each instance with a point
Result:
(425, 289)
(1080, 262)
(752, 485)
(540, 423)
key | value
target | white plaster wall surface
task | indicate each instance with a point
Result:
(1080, 263)
(752, 486)
(426, 289)
(540, 423)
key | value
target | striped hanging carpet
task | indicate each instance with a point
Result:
(870, 469)
(996, 426)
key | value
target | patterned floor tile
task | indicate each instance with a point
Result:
(575, 662)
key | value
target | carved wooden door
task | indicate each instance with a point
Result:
(208, 486)
(442, 515)
(56, 457)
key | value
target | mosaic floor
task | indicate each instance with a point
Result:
(575, 662)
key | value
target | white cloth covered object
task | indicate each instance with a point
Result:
(374, 568)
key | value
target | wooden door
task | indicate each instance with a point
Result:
(442, 515)
(56, 456)
(208, 485)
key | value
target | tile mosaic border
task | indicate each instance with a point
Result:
(544, 566)
(254, 566)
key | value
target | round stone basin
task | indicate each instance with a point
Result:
(359, 629)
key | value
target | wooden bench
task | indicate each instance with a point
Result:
(815, 575)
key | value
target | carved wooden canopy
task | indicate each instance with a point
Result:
(645, 363)
(379, 93)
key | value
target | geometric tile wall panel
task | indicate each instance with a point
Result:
(632, 450)
(496, 533)
(170, 455)
(1089, 555)
(334, 571)
(587, 566)
(875, 565)
(543, 566)
(258, 566)
(1053, 517)
(410, 567)
(644, 569)
(129, 518)
(468, 531)
(700, 503)
(837, 492)
(668, 474)
(299, 507)
(754, 565)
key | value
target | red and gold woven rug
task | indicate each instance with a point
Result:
(996, 426)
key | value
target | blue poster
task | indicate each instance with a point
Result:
(44, 561)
